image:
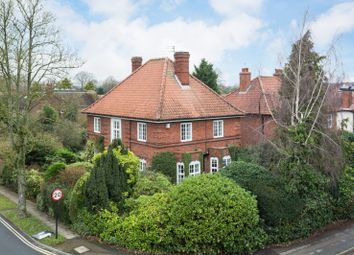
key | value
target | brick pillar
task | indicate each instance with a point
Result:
(245, 79)
(136, 63)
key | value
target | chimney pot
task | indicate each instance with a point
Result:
(278, 72)
(245, 78)
(136, 63)
(182, 66)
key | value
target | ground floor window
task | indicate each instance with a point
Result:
(226, 160)
(142, 164)
(180, 172)
(214, 164)
(194, 168)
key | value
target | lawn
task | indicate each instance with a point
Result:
(29, 225)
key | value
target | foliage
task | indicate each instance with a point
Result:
(95, 190)
(344, 208)
(150, 183)
(275, 205)
(71, 135)
(99, 144)
(34, 181)
(186, 159)
(43, 148)
(71, 110)
(9, 176)
(65, 155)
(206, 73)
(71, 174)
(89, 151)
(165, 163)
(47, 117)
(88, 223)
(249, 154)
(347, 139)
(77, 199)
(90, 85)
(53, 170)
(65, 84)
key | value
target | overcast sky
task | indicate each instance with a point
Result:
(229, 33)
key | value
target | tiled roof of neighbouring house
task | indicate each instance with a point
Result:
(153, 92)
(260, 97)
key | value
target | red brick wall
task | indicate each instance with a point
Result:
(255, 129)
(162, 139)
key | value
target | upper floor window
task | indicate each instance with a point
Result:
(214, 164)
(97, 124)
(218, 128)
(142, 132)
(329, 120)
(226, 160)
(116, 129)
(143, 164)
(186, 132)
(194, 168)
(180, 172)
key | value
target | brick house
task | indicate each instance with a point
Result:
(159, 108)
(257, 98)
(340, 100)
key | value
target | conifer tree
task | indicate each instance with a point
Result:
(206, 73)
(96, 189)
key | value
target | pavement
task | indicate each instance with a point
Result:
(73, 241)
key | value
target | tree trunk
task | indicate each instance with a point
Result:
(21, 178)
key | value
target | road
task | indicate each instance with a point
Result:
(11, 245)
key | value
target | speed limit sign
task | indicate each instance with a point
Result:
(57, 194)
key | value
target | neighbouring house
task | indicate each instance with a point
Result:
(159, 108)
(60, 99)
(257, 98)
(340, 100)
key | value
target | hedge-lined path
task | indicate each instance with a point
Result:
(72, 240)
(336, 239)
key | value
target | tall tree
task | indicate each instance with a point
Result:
(90, 85)
(82, 78)
(30, 52)
(206, 73)
(65, 84)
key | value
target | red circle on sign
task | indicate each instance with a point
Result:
(57, 194)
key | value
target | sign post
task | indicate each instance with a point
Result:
(57, 195)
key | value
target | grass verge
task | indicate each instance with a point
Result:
(29, 225)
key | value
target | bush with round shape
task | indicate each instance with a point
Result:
(165, 163)
(344, 208)
(150, 183)
(276, 206)
(66, 156)
(34, 181)
(77, 198)
(53, 170)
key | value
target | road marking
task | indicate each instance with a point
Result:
(295, 249)
(346, 251)
(24, 240)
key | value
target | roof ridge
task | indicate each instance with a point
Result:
(130, 75)
(162, 88)
(211, 90)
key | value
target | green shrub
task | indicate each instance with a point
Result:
(275, 204)
(33, 183)
(207, 214)
(43, 148)
(150, 183)
(77, 199)
(210, 214)
(165, 163)
(344, 208)
(9, 176)
(70, 175)
(66, 156)
(71, 134)
(53, 170)
(99, 144)
(89, 151)
(47, 117)
(88, 223)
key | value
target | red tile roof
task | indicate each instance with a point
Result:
(260, 97)
(153, 93)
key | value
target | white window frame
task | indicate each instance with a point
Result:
(179, 172)
(329, 121)
(226, 160)
(113, 129)
(97, 124)
(183, 132)
(195, 166)
(214, 165)
(143, 165)
(141, 131)
(218, 128)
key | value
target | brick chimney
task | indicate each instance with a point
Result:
(182, 66)
(245, 79)
(136, 63)
(278, 72)
(346, 99)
